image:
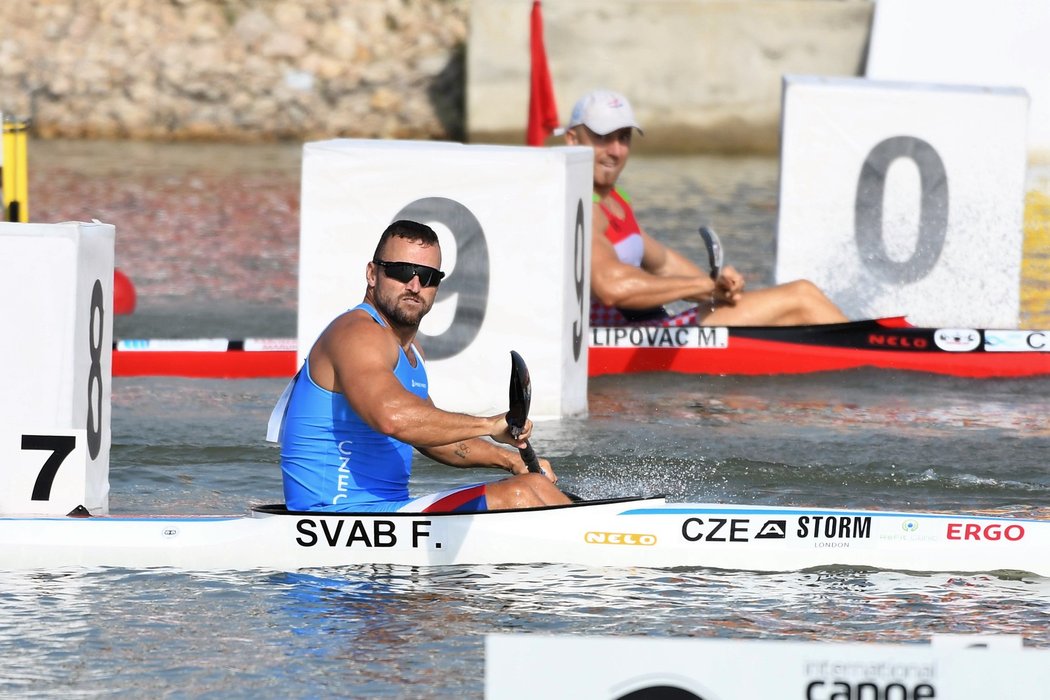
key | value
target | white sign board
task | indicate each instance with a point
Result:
(514, 225)
(901, 199)
(56, 282)
(43, 470)
(993, 43)
(621, 668)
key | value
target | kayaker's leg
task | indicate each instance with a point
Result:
(792, 304)
(523, 491)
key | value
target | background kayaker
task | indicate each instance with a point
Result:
(360, 404)
(633, 275)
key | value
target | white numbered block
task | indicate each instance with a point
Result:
(904, 199)
(56, 281)
(999, 43)
(514, 225)
(44, 470)
(618, 668)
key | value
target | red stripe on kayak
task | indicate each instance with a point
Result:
(746, 356)
(204, 365)
(751, 356)
(453, 502)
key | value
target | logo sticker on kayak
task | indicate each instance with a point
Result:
(1011, 532)
(619, 538)
(897, 340)
(957, 339)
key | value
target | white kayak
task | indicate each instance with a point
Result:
(630, 532)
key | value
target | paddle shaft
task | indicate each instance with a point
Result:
(714, 258)
(528, 455)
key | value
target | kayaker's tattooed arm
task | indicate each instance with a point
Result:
(475, 452)
(479, 452)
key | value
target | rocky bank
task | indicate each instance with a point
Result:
(235, 69)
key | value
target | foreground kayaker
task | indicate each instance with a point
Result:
(633, 275)
(360, 404)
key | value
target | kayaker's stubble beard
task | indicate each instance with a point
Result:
(399, 308)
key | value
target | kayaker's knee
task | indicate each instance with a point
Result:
(804, 290)
(524, 491)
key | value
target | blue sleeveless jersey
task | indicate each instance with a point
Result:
(331, 459)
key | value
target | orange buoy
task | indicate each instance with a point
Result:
(123, 293)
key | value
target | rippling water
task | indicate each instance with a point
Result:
(397, 632)
(862, 439)
(859, 439)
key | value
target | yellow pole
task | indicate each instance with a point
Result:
(3, 175)
(1035, 264)
(15, 181)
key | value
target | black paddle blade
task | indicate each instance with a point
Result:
(714, 251)
(520, 393)
(520, 399)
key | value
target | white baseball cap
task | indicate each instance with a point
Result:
(603, 112)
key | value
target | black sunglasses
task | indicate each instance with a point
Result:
(404, 272)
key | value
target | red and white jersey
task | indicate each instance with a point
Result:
(624, 232)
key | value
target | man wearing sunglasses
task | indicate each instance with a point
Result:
(360, 405)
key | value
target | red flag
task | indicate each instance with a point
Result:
(543, 112)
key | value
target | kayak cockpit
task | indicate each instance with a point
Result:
(280, 509)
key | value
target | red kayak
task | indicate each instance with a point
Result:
(887, 343)
(205, 358)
